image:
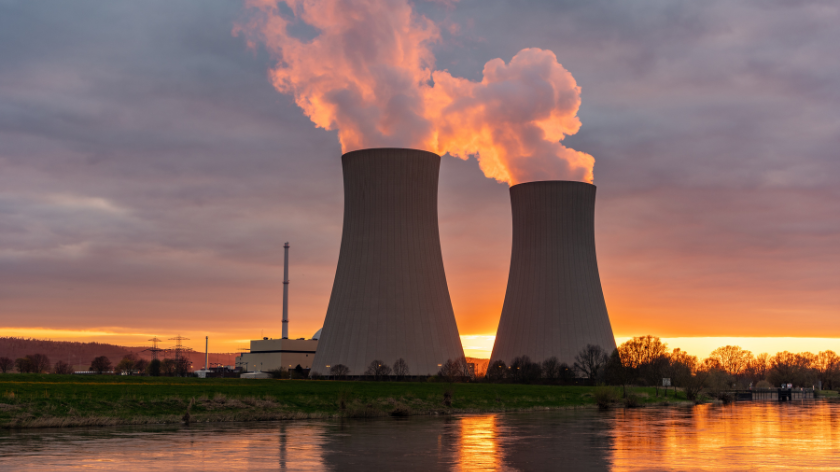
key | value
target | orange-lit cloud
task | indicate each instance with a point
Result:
(369, 73)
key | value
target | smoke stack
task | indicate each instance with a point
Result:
(206, 345)
(389, 299)
(286, 291)
(554, 305)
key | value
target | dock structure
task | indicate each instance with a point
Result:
(774, 394)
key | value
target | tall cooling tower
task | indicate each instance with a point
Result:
(389, 299)
(554, 305)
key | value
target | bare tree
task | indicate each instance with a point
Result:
(496, 371)
(551, 369)
(167, 367)
(182, 366)
(449, 370)
(590, 361)
(38, 363)
(339, 371)
(827, 365)
(466, 370)
(680, 367)
(641, 350)
(23, 365)
(401, 368)
(100, 364)
(378, 370)
(759, 366)
(694, 384)
(732, 359)
(63, 368)
(6, 364)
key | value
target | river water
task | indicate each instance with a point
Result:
(745, 436)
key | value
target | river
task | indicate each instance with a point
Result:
(744, 436)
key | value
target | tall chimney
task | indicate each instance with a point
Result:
(206, 345)
(554, 305)
(286, 291)
(389, 299)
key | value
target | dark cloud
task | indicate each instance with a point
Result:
(149, 169)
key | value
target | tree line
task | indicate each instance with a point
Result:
(646, 361)
(129, 365)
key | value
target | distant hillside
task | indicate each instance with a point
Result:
(480, 365)
(79, 354)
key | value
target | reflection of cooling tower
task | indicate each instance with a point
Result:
(389, 298)
(554, 305)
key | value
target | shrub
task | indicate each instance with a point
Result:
(605, 397)
(631, 400)
(278, 373)
(447, 398)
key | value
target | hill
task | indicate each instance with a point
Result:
(79, 354)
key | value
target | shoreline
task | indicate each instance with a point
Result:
(54, 401)
(252, 417)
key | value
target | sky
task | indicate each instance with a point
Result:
(150, 170)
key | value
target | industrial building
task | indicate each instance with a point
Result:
(554, 304)
(389, 299)
(270, 354)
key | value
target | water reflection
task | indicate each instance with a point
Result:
(478, 440)
(744, 436)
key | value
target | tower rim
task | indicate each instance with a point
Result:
(364, 150)
(564, 182)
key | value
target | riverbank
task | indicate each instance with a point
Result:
(31, 401)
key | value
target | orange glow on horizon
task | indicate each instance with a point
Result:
(475, 345)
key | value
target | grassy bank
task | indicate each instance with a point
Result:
(29, 400)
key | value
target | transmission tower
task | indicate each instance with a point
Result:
(155, 349)
(179, 348)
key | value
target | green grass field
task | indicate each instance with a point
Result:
(30, 400)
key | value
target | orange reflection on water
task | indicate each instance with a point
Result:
(477, 447)
(736, 437)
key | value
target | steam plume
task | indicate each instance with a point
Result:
(369, 73)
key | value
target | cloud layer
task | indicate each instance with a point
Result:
(150, 172)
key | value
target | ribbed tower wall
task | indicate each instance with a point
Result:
(390, 299)
(554, 304)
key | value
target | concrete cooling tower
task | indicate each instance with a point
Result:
(389, 299)
(554, 305)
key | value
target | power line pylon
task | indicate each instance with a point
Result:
(154, 349)
(179, 349)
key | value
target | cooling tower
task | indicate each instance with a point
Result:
(389, 299)
(554, 305)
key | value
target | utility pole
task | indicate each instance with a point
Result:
(286, 291)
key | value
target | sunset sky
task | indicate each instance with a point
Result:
(150, 170)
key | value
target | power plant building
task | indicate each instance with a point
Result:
(554, 304)
(390, 298)
(271, 354)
